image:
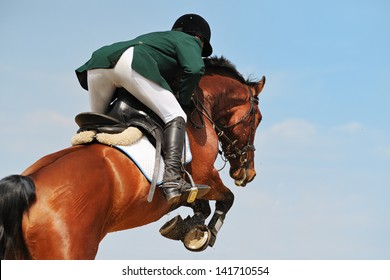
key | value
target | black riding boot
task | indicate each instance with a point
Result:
(173, 183)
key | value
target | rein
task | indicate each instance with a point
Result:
(232, 151)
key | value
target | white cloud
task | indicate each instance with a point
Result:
(386, 151)
(30, 136)
(351, 127)
(51, 118)
(37, 121)
(294, 130)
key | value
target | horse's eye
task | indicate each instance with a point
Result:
(222, 121)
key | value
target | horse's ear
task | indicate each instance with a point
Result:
(260, 85)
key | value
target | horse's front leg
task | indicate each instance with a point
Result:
(191, 230)
(224, 201)
(221, 209)
(201, 209)
(195, 235)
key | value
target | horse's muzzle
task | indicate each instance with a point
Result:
(242, 176)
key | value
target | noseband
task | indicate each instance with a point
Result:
(232, 151)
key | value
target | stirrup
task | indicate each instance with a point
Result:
(173, 190)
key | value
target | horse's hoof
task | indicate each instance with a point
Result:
(197, 239)
(173, 229)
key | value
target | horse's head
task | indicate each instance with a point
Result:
(235, 115)
(239, 126)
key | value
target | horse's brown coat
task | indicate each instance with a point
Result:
(85, 192)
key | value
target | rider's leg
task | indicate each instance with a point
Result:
(157, 98)
(165, 105)
(101, 89)
(174, 184)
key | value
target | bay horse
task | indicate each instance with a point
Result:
(64, 204)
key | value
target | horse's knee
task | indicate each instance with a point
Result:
(225, 205)
(201, 207)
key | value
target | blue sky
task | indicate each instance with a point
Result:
(323, 148)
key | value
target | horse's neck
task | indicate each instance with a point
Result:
(222, 99)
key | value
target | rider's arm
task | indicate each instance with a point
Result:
(189, 55)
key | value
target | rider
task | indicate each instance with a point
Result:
(143, 66)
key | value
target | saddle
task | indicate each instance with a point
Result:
(127, 115)
(124, 111)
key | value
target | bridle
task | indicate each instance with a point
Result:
(231, 151)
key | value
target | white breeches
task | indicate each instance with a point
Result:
(103, 82)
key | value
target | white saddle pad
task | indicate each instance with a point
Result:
(142, 152)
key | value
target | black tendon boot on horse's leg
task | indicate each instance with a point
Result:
(174, 184)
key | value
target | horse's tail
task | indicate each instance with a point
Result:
(17, 193)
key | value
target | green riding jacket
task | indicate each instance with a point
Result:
(158, 56)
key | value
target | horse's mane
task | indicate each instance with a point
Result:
(223, 64)
(219, 64)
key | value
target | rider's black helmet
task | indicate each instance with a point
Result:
(195, 25)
